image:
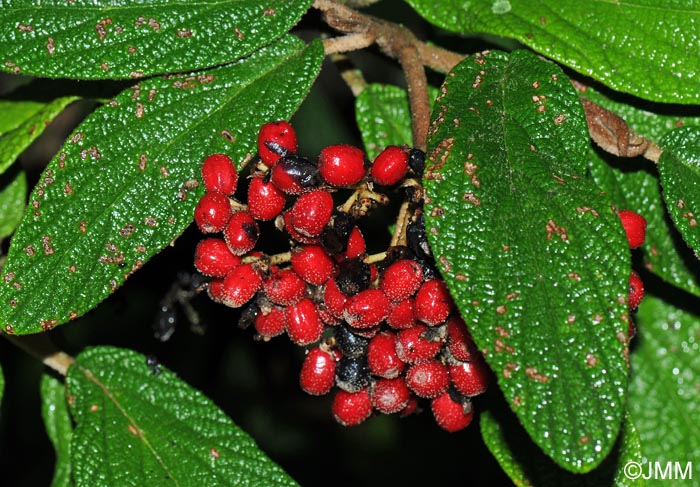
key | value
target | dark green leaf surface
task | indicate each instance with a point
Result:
(635, 186)
(647, 48)
(525, 464)
(664, 395)
(679, 169)
(21, 122)
(117, 193)
(137, 426)
(12, 202)
(533, 254)
(59, 427)
(102, 39)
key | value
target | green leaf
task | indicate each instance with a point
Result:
(664, 395)
(533, 254)
(120, 189)
(2, 383)
(59, 427)
(679, 170)
(12, 197)
(525, 464)
(636, 187)
(22, 122)
(106, 39)
(136, 425)
(643, 48)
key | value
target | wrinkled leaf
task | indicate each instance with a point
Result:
(525, 464)
(124, 39)
(679, 170)
(21, 122)
(120, 189)
(140, 425)
(533, 254)
(664, 395)
(634, 185)
(12, 197)
(645, 48)
(59, 427)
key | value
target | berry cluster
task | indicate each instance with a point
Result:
(381, 329)
(635, 228)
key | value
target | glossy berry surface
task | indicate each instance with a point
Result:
(635, 226)
(390, 396)
(352, 374)
(350, 344)
(341, 165)
(402, 315)
(317, 374)
(270, 324)
(280, 133)
(334, 299)
(366, 309)
(428, 379)
(459, 341)
(241, 233)
(312, 264)
(304, 326)
(212, 213)
(451, 415)
(240, 285)
(382, 358)
(402, 279)
(219, 174)
(213, 258)
(390, 166)
(433, 302)
(636, 291)
(470, 378)
(294, 175)
(312, 212)
(284, 287)
(265, 201)
(351, 408)
(413, 347)
(356, 246)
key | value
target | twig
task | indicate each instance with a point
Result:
(399, 235)
(351, 75)
(347, 43)
(41, 347)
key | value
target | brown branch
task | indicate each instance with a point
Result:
(347, 43)
(437, 58)
(351, 75)
(41, 347)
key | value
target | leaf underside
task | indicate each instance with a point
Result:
(125, 184)
(533, 254)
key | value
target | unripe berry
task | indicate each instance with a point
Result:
(390, 166)
(317, 374)
(433, 302)
(213, 258)
(428, 379)
(635, 226)
(311, 212)
(212, 212)
(352, 374)
(402, 315)
(451, 415)
(636, 291)
(366, 309)
(284, 287)
(219, 174)
(271, 324)
(402, 279)
(459, 341)
(382, 358)
(390, 395)
(303, 323)
(240, 285)
(294, 175)
(470, 378)
(351, 408)
(280, 133)
(312, 263)
(412, 347)
(241, 233)
(341, 165)
(265, 201)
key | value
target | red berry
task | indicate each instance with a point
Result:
(296, 236)
(304, 326)
(271, 324)
(351, 408)
(312, 263)
(334, 299)
(212, 212)
(341, 165)
(219, 174)
(215, 290)
(240, 285)
(241, 233)
(433, 302)
(284, 287)
(280, 133)
(412, 347)
(636, 291)
(402, 279)
(390, 395)
(459, 341)
(470, 378)
(402, 315)
(411, 407)
(311, 212)
(366, 309)
(635, 226)
(382, 358)
(265, 201)
(390, 166)
(428, 379)
(356, 244)
(317, 374)
(213, 258)
(294, 175)
(451, 415)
